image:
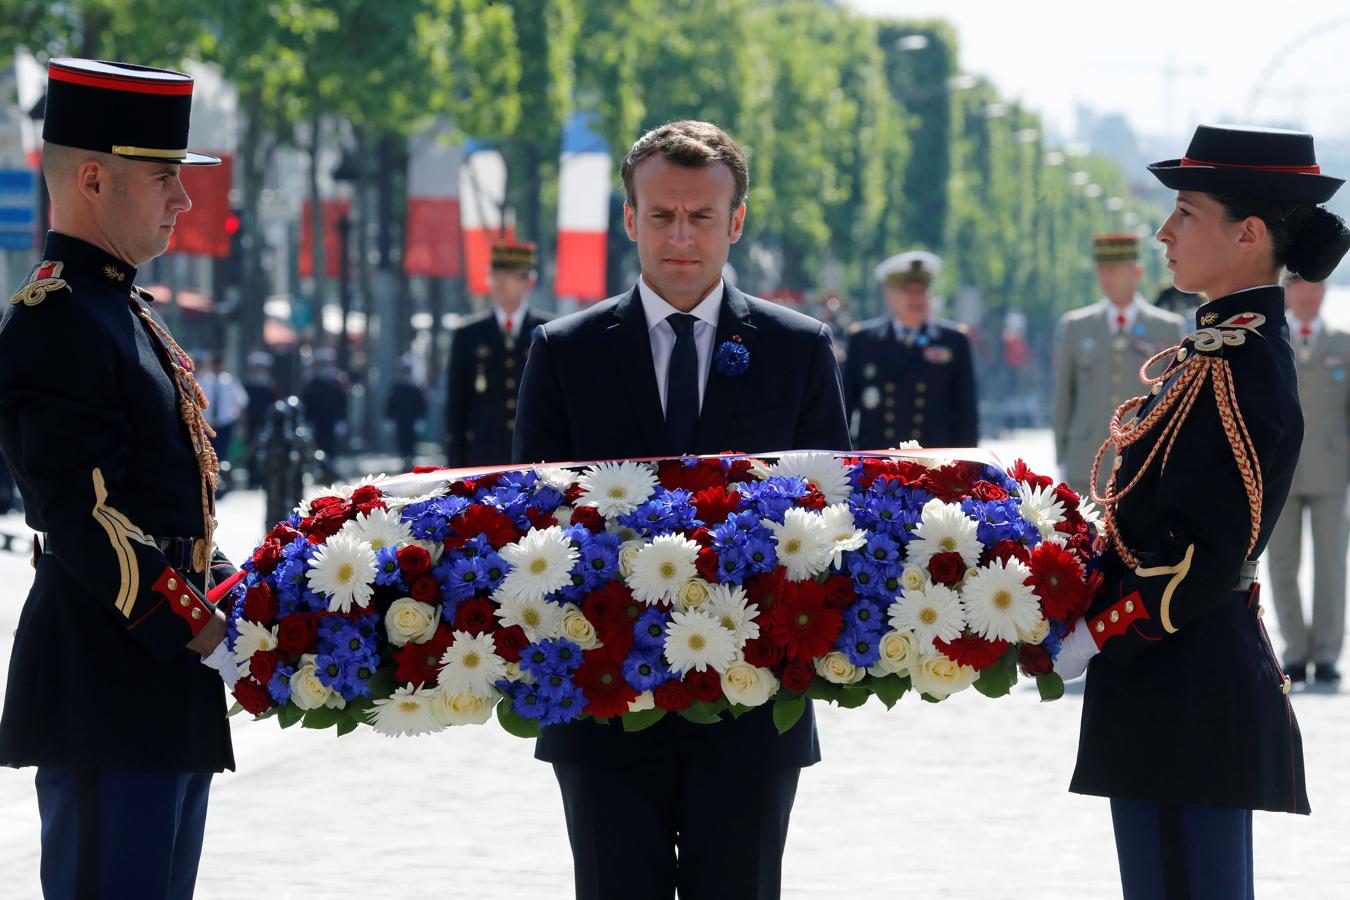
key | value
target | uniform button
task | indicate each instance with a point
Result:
(1116, 464)
(889, 417)
(1115, 616)
(1260, 611)
(914, 434)
(890, 401)
(184, 600)
(1284, 688)
(510, 402)
(172, 584)
(510, 424)
(919, 402)
(196, 612)
(889, 387)
(1129, 606)
(1157, 389)
(1182, 354)
(511, 384)
(918, 418)
(920, 387)
(890, 434)
(510, 363)
(1100, 627)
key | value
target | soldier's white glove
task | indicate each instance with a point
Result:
(1075, 652)
(222, 660)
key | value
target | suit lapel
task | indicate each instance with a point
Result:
(717, 418)
(629, 346)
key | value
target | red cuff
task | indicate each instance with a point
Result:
(1116, 619)
(182, 599)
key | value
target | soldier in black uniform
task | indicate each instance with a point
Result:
(325, 402)
(102, 422)
(406, 408)
(908, 377)
(1187, 724)
(487, 355)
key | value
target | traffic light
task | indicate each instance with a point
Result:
(232, 266)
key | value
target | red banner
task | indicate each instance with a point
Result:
(333, 211)
(202, 229)
(435, 239)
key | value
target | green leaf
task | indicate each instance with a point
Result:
(381, 684)
(323, 717)
(853, 696)
(347, 725)
(289, 714)
(890, 689)
(235, 709)
(636, 721)
(1050, 685)
(821, 689)
(703, 713)
(514, 722)
(996, 681)
(737, 710)
(787, 712)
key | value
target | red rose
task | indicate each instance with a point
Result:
(267, 557)
(839, 592)
(262, 665)
(414, 562)
(260, 604)
(540, 519)
(1006, 550)
(511, 642)
(673, 696)
(988, 492)
(1034, 659)
(763, 653)
(321, 503)
(296, 634)
(601, 679)
(425, 590)
(466, 488)
(252, 696)
(706, 564)
(474, 616)
(327, 522)
(421, 663)
(973, 651)
(706, 686)
(797, 676)
(588, 517)
(367, 493)
(1067, 496)
(946, 568)
(701, 536)
(366, 509)
(812, 499)
(283, 534)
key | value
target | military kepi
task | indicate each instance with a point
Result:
(137, 112)
(517, 255)
(1122, 247)
(1242, 161)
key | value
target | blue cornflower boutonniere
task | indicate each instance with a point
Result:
(732, 358)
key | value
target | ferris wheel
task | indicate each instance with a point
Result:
(1306, 83)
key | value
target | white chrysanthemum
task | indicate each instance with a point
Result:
(943, 528)
(557, 477)
(695, 640)
(380, 528)
(406, 711)
(1041, 508)
(998, 601)
(931, 613)
(344, 572)
(471, 664)
(1090, 513)
(540, 619)
(252, 638)
(662, 567)
(616, 488)
(727, 604)
(842, 532)
(909, 445)
(804, 548)
(821, 470)
(541, 562)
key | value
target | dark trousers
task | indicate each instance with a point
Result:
(643, 828)
(119, 834)
(1175, 851)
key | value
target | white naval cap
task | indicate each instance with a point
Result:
(914, 266)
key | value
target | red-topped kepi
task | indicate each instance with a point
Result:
(137, 112)
(1244, 161)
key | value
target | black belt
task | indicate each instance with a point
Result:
(178, 550)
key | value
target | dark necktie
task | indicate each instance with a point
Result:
(682, 385)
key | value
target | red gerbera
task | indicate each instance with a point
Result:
(714, 504)
(802, 622)
(601, 679)
(478, 520)
(1057, 577)
(972, 650)
(421, 663)
(764, 590)
(952, 483)
(674, 474)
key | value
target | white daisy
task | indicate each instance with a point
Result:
(556, 477)
(616, 488)
(943, 528)
(380, 528)
(406, 711)
(344, 572)
(1041, 508)
(1090, 513)
(803, 546)
(662, 567)
(726, 604)
(931, 612)
(252, 638)
(541, 562)
(695, 640)
(540, 619)
(821, 470)
(998, 601)
(842, 531)
(471, 664)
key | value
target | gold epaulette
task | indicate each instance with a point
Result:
(46, 279)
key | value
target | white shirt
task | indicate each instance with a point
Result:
(662, 335)
(1296, 328)
(225, 397)
(1131, 312)
(517, 318)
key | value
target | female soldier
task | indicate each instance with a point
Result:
(1187, 725)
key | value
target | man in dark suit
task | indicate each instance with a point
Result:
(908, 377)
(632, 377)
(487, 354)
(101, 422)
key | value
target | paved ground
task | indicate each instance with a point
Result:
(966, 799)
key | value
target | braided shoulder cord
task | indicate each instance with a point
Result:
(192, 404)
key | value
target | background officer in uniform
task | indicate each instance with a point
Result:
(1098, 352)
(908, 377)
(325, 402)
(102, 422)
(406, 409)
(1322, 355)
(487, 355)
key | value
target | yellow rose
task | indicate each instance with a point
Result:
(913, 578)
(464, 708)
(577, 628)
(899, 651)
(1035, 635)
(644, 700)
(628, 552)
(307, 691)
(748, 685)
(939, 677)
(693, 595)
(411, 620)
(836, 668)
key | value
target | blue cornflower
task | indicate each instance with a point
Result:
(1054, 639)
(534, 659)
(865, 614)
(386, 567)
(279, 687)
(649, 518)
(598, 560)
(884, 552)
(529, 702)
(649, 631)
(773, 497)
(466, 577)
(732, 358)
(495, 567)
(645, 671)
(563, 655)
(760, 554)
(554, 686)
(566, 707)
(866, 578)
(862, 646)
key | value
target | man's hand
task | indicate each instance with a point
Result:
(212, 633)
(1075, 652)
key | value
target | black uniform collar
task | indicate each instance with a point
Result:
(1267, 301)
(86, 259)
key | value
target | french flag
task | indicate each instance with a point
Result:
(434, 240)
(482, 210)
(583, 212)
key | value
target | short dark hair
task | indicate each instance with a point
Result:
(692, 144)
(1306, 239)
